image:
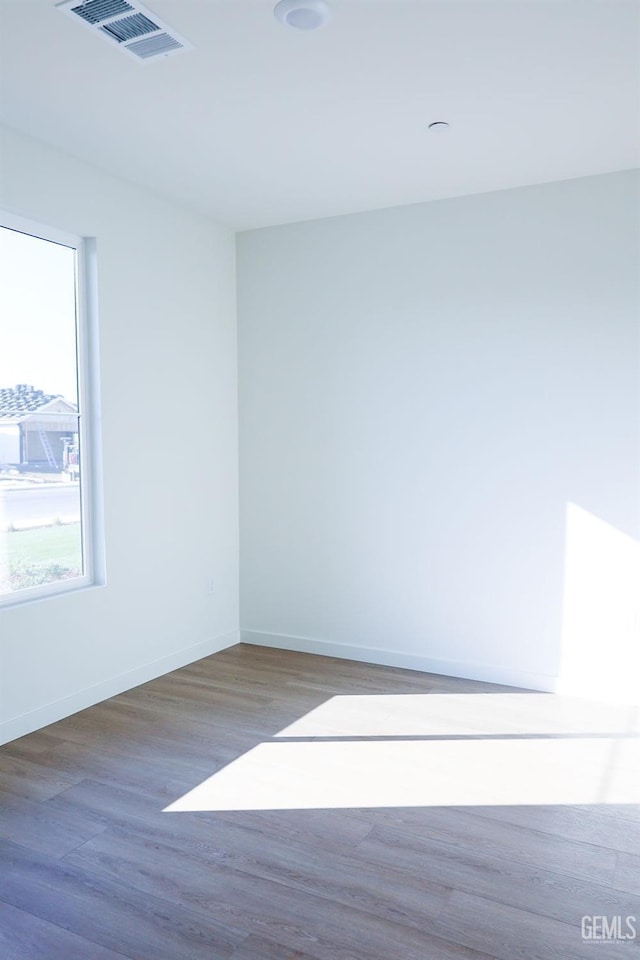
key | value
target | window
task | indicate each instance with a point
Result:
(48, 444)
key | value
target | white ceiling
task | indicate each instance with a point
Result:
(262, 124)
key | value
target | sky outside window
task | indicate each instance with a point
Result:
(37, 314)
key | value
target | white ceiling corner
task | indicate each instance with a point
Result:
(260, 124)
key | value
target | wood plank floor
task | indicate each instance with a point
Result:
(271, 859)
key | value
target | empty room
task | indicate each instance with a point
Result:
(319, 479)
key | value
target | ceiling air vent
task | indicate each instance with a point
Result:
(129, 26)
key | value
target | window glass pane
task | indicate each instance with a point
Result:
(40, 504)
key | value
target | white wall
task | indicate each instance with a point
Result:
(169, 404)
(423, 392)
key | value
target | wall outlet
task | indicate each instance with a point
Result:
(211, 586)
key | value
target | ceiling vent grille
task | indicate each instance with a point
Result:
(153, 46)
(95, 11)
(129, 26)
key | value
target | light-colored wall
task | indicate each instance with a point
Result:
(423, 392)
(169, 422)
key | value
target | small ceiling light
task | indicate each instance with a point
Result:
(303, 14)
(439, 126)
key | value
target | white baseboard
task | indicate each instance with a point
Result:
(59, 709)
(490, 673)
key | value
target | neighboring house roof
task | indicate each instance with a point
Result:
(17, 403)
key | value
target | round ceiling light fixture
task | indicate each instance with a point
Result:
(438, 126)
(303, 14)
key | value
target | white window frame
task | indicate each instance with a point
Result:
(89, 435)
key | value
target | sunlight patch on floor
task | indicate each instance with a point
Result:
(407, 773)
(487, 714)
